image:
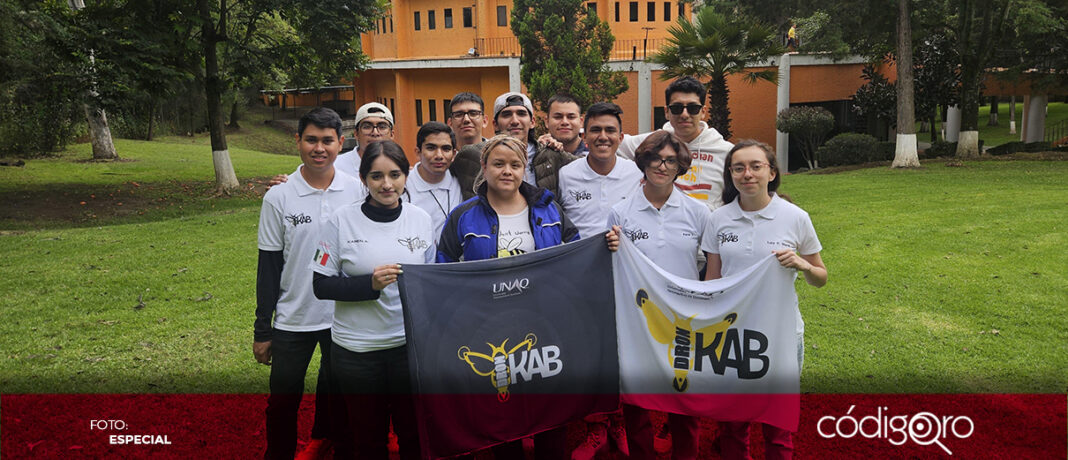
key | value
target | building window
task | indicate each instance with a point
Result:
(433, 109)
(617, 11)
(650, 11)
(416, 20)
(682, 9)
(667, 11)
(591, 9)
(446, 106)
(448, 18)
(430, 23)
(391, 24)
(419, 112)
(659, 117)
(633, 11)
(393, 108)
(502, 16)
(467, 17)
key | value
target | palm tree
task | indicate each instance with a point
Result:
(714, 46)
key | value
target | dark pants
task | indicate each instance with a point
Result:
(291, 352)
(685, 434)
(548, 445)
(377, 388)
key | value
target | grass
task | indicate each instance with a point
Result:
(255, 134)
(997, 135)
(942, 279)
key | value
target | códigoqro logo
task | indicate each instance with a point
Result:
(923, 428)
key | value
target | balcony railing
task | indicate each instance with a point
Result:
(622, 50)
(501, 46)
(636, 49)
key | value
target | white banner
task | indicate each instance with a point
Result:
(724, 348)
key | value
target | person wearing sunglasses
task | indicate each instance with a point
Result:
(685, 111)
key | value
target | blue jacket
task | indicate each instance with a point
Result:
(470, 233)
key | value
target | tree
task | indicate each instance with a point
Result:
(876, 99)
(978, 30)
(714, 46)
(809, 125)
(905, 149)
(936, 77)
(325, 50)
(99, 133)
(565, 49)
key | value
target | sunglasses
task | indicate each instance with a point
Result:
(676, 109)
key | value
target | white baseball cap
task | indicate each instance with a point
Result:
(374, 109)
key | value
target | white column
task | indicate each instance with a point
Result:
(514, 84)
(1035, 129)
(952, 125)
(782, 102)
(645, 98)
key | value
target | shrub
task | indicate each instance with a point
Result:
(809, 125)
(1006, 148)
(885, 151)
(848, 149)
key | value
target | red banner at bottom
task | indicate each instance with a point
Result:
(831, 425)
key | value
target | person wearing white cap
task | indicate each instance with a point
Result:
(513, 114)
(374, 122)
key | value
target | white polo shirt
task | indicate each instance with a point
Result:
(587, 197)
(352, 244)
(742, 239)
(349, 163)
(289, 222)
(669, 236)
(436, 199)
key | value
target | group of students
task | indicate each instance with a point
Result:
(335, 234)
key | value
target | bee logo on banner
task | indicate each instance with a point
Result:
(506, 366)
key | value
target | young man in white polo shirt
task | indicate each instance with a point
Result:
(288, 233)
(430, 185)
(374, 122)
(591, 186)
(685, 100)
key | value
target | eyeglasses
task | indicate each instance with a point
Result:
(670, 162)
(739, 169)
(368, 127)
(676, 109)
(470, 113)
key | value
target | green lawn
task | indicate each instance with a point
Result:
(941, 279)
(997, 135)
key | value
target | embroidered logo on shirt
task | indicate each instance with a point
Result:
(727, 237)
(580, 195)
(635, 234)
(413, 243)
(298, 219)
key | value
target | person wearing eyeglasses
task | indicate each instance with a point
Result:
(669, 227)
(756, 222)
(685, 111)
(467, 119)
(431, 186)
